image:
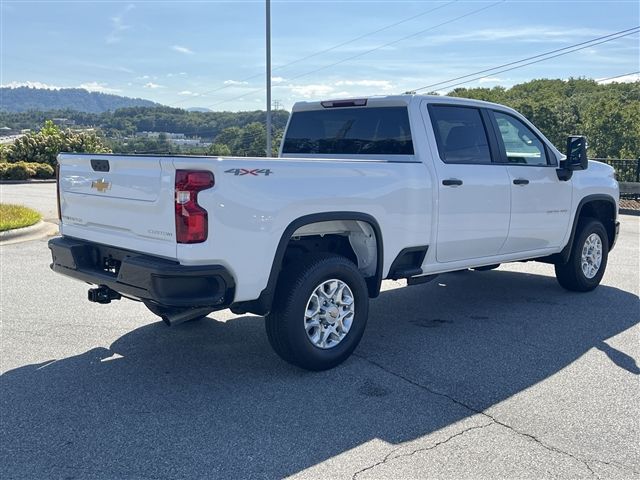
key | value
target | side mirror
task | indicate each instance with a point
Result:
(576, 153)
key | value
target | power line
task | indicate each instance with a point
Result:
(473, 12)
(326, 50)
(617, 76)
(368, 34)
(536, 61)
(525, 59)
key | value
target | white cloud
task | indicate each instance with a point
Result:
(313, 90)
(529, 34)
(181, 49)
(111, 68)
(277, 80)
(118, 25)
(235, 82)
(31, 84)
(98, 87)
(633, 77)
(188, 93)
(89, 86)
(337, 89)
(153, 85)
(489, 80)
(381, 84)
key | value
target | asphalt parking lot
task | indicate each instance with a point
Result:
(477, 375)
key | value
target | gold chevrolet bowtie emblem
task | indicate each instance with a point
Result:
(101, 185)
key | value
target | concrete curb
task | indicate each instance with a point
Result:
(628, 211)
(27, 182)
(28, 233)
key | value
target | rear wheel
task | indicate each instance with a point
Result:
(588, 260)
(319, 312)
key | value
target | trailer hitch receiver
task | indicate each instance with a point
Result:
(103, 294)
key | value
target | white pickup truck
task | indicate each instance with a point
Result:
(397, 187)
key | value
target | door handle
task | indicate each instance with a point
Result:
(521, 181)
(450, 182)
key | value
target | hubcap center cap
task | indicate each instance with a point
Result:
(332, 314)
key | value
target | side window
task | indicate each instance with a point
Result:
(522, 146)
(460, 134)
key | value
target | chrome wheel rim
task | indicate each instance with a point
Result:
(329, 313)
(591, 255)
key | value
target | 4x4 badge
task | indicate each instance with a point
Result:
(255, 172)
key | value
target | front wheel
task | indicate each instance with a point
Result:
(319, 312)
(588, 260)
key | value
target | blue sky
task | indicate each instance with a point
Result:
(203, 53)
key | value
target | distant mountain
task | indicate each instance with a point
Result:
(199, 109)
(22, 99)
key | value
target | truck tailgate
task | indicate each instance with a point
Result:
(125, 201)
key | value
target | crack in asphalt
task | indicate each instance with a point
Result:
(424, 449)
(529, 436)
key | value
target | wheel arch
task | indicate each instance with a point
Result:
(599, 206)
(262, 305)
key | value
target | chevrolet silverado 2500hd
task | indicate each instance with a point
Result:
(398, 187)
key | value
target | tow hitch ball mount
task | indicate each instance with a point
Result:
(103, 294)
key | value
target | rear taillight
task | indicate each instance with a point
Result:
(191, 218)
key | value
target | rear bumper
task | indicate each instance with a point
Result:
(145, 277)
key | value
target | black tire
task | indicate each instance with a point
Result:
(486, 268)
(160, 310)
(570, 275)
(285, 324)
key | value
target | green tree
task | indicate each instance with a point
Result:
(219, 150)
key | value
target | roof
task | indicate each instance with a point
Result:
(397, 100)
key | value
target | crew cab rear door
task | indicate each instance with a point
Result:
(123, 201)
(473, 190)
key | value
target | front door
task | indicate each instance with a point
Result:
(473, 190)
(540, 202)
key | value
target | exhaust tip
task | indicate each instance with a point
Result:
(181, 316)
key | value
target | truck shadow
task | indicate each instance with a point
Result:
(210, 399)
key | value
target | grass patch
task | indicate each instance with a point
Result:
(16, 216)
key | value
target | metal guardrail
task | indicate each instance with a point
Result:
(627, 174)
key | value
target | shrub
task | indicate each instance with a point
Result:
(43, 171)
(45, 145)
(4, 150)
(25, 170)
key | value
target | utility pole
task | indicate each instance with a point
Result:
(268, 31)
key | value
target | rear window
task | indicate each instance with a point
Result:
(350, 131)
